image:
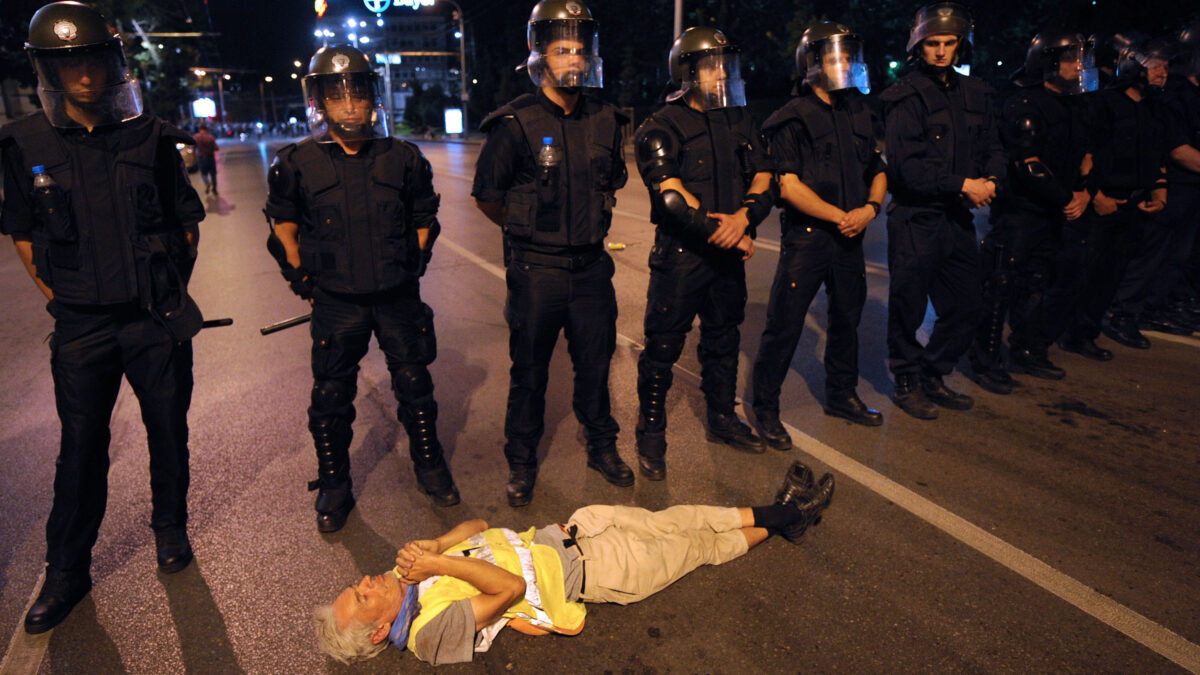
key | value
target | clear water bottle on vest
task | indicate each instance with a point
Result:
(51, 205)
(548, 160)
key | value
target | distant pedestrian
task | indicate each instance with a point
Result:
(206, 158)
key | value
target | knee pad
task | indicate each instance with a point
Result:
(665, 348)
(332, 397)
(412, 383)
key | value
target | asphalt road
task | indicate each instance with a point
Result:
(1056, 529)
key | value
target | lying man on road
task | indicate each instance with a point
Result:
(448, 597)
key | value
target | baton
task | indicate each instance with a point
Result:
(216, 323)
(285, 324)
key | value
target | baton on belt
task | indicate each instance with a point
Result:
(285, 324)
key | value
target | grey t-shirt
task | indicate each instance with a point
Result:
(449, 637)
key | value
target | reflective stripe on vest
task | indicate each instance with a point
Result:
(533, 596)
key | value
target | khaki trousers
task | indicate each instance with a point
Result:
(631, 553)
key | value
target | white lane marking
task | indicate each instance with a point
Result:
(25, 652)
(1177, 339)
(1155, 636)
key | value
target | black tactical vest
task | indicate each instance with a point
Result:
(953, 123)
(348, 255)
(65, 253)
(539, 211)
(713, 149)
(841, 144)
(1130, 156)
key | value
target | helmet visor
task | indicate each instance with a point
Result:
(838, 63)
(346, 106)
(713, 80)
(565, 54)
(1071, 69)
(92, 82)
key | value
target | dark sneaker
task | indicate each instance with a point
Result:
(808, 512)
(797, 484)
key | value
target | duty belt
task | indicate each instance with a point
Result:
(568, 261)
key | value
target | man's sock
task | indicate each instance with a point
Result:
(774, 517)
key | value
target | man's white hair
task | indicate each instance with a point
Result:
(353, 643)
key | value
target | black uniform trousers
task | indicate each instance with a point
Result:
(685, 284)
(577, 299)
(811, 256)
(342, 325)
(931, 258)
(93, 347)
(1170, 235)
(1032, 245)
(1109, 243)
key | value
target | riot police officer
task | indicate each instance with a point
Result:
(115, 272)
(944, 159)
(707, 171)
(355, 217)
(1174, 229)
(1047, 137)
(832, 180)
(1128, 183)
(547, 176)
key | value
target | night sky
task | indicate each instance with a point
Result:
(261, 35)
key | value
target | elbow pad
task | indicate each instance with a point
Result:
(758, 206)
(692, 222)
(275, 248)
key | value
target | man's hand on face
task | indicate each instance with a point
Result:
(418, 561)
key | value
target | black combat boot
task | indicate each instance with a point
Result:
(429, 462)
(519, 489)
(728, 429)
(937, 392)
(334, 498)
(808, 499)
(1035, 363)
(653, 384)
(1086, 348)
(61, 591)
(909, 397)
(771, 430)
(1124, 330)
(849, 406)
(173, 549)
(604, 458)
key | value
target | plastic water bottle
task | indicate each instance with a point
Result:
(548, 157)
(43, 183)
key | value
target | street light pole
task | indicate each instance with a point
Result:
(462, 65)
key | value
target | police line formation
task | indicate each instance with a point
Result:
(104, 218)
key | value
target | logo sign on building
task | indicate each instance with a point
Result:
(377, 6)
(414, 4)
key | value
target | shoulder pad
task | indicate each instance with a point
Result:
(30, 123)
(789, 112)
(654, 143)
(507, 110)
(175, 134)
(897, 91)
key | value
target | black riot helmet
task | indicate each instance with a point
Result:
(1061, 59)
(343, 97)
(942, 18)
(705, 66)
(830, 56)
(1189, 50)
(81, 67)
(564, 45)
(1137, 60)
